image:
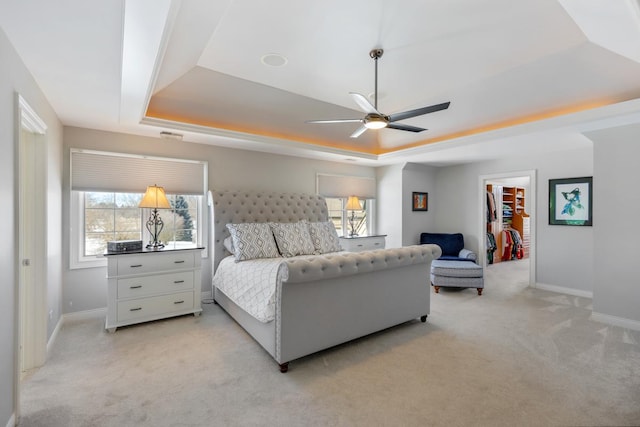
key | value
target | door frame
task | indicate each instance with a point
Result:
(31, 304)
(482, 192)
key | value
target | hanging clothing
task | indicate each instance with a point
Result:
(491, 247)
(491, 207)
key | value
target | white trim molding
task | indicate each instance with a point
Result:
(615, 321)
(12, 421)
(54, 335)
(564, 290)
(84, 315)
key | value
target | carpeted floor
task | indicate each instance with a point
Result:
(515, 356)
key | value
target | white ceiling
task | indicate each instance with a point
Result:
(520, 76)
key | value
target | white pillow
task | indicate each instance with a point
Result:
(324, 237)
(252, 240)
(228, 245)
(292, 238)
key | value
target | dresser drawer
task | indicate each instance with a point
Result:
(153, 263)
(357, 244)
(156, 284)
(154, 306)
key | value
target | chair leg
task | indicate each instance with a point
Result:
(436, 288)
(479, 291)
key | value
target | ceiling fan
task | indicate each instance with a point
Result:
(374, 118)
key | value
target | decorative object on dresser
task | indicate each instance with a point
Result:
(151, 285)
(353, 205)
(419, 201)
(124, 246)
(155, 198)
(571, 201)
(363, 243)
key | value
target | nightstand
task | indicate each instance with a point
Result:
(150, 285)
(363, 243)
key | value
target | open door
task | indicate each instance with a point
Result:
(31, 322)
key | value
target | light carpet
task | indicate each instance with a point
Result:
(515, 356)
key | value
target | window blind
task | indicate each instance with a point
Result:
(130, 173)
(345, 186)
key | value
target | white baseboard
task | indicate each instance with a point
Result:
(54, 335)
(84, 315)
(615, 321)
(564, 290)
(206, 295)
(12, 421)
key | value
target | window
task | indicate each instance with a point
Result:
(104, 216)
(109, 216)
(336, 190)
(341, 218)
(106, 189)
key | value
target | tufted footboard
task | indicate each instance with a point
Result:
(332, 299)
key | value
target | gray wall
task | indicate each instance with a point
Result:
(86, 289)
(615, 211)
(421, 178)
(389, 204)
(16, 78)
(565, 255)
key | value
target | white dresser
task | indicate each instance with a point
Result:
(151, 285)
(363, 243)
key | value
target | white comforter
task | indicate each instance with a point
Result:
(252, 284)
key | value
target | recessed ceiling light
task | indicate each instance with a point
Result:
(274, 60)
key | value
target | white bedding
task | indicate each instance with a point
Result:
(251, 284)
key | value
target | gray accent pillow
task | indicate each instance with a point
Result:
(324, 237)
(252, 240)
(292, 238)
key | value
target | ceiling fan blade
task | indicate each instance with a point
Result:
(364, 103)
(335, 121)
(358, 131)
(400, 126)
(418, 112)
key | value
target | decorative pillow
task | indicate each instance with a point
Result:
(228, 245)
(292, 238)
(252, 240)
(324, 237)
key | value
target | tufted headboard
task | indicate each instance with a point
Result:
(247, 206)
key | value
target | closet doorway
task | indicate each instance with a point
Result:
(508, 220)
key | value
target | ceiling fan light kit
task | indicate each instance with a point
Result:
(374, 118)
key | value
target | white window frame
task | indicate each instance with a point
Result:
(77, 259)
(345, 216)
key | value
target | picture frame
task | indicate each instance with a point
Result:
(420, 201)
(571, 201)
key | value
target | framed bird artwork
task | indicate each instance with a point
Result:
(571, 201)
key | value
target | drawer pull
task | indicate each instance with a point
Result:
(179, 302)
(135, 309)
(360, 246)
(178, 262)
(136, 266)
(377, 243)
(135, 287)
(178, 281)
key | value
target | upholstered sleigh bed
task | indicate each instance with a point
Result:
(321, 300)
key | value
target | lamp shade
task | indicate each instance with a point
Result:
(154, 198)
(353, 204)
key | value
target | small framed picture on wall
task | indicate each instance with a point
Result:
(420, 201)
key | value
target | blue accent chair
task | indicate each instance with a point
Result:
(453, 269)
(452, 245)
